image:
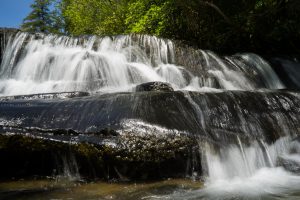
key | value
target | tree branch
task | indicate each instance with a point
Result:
(217, 9)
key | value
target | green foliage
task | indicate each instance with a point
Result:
(81, 16)
(225, 26)
(113, 15)
(94, 16)
(149, 19)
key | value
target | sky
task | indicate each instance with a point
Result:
(12, 12)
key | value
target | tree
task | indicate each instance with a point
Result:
(45, 17)
(94, 16)
(57, 20)
(222, 25)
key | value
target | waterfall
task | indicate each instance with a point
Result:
(246, 172)
(250, 171)
(246, 126)
(37, 63)
(244, 161)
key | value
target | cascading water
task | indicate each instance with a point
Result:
(238, 159)
(49, 63)
(249, 172)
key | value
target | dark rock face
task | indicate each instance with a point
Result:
(288, 71)
(297, 139)
(154, 86)
(130, 136)
(126, 157)
(291, 160)
(62, 95)
(215, 116)
(289, 164)
(5, 33)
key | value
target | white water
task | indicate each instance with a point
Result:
(238, 171)
(45, 64)
(249, 172)
(265, 183)
(269, 76)
(244, 161)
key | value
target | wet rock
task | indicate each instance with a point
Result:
(61, 95)
(297, 139)
(5, 33)
(154, 86)
(132, 136)
(288, 69)
(291, 163)
(108, 132)
(23, 156)
(124, 157)
(222, 115)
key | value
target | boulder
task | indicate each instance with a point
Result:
(124, 157)
(154, 86)
(290, 163)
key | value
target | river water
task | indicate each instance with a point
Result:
(264, 184)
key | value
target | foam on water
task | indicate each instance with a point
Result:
(264, 183)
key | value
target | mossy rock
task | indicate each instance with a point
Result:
(133, 157)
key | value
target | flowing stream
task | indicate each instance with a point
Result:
(253, 169)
